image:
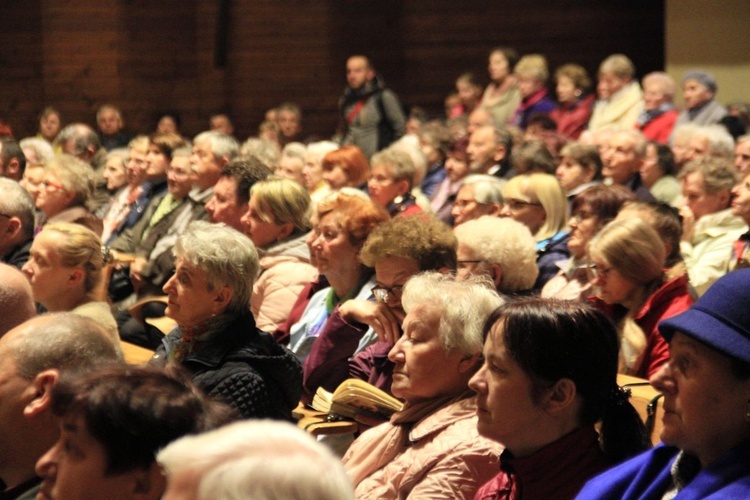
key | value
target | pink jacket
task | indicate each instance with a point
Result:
(284, 272)
(443, 457)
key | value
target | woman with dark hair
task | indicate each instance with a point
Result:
(574, 98)
(549, 375)
(501, 97)
(657, 173)
(590, 211)
(456, 168)
(579, 169)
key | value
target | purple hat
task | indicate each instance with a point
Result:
(720, 318)
(703, 77)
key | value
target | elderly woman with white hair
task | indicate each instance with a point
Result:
(253, 459)
(216, 339)
(510, 261)
(658, 117)
(431, 448)
(67, 186)
(620, 98)
(478, 195)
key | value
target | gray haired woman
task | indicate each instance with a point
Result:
(216, 339)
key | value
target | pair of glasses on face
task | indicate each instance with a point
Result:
(515, 205)
(582, 216)
(383, 294)
(600, 271)
(52, 185)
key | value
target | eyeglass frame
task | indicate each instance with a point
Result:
(514, 204)
(382, 293)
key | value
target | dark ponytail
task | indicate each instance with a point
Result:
(553, 339)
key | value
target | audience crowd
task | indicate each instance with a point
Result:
(497, 270)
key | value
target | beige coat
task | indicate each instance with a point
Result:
(620, 112)
(441, 456)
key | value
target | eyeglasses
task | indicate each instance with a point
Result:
(463, 264)
(600, 271)
(582, 216)
(514, 204)
(55, 186)
(382, 294)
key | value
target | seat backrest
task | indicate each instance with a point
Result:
(647, 401)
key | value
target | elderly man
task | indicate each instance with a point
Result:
(253, 459)
(231, 193)
(510, 261)
(699, 92)
(12, 159)
(211, 151)
(32, 358)
(80, 140)
(708, 226)
(658, 117)
(489, 152)
(478, 195)
(372, 115)
(742, 155)
(16, 299)
(110, 123)
(622, 157)
(16, 223)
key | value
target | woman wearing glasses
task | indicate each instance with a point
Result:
(343, 223)
(538, 201)
(65, 269)
(591, 210)
(67, 186)
(627, 260)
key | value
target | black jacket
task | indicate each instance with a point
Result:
(243, 367)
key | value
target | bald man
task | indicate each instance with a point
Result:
(16, 298)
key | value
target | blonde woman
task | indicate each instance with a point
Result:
(627, 260)
(532, 75)
(538, 201)
(65, 270)
(277, 220)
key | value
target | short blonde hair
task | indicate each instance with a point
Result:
(534, 65)
(619, 65)
(78, 246)
(75, 175)
(545, 190)
(664, 81)
(400, 164)
(283, 201)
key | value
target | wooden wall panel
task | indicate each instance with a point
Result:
(151, 56)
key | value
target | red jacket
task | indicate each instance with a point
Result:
(660, 128)
(670, 300)
(572, 120)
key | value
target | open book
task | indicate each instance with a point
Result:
(354, 397)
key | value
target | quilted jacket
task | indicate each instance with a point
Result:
(244, 367)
